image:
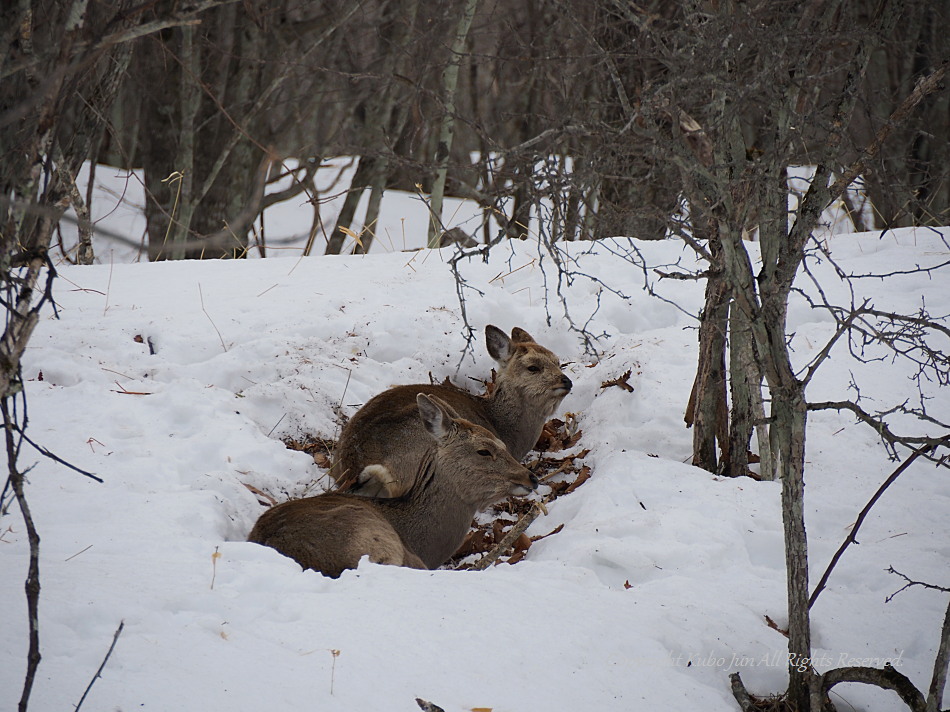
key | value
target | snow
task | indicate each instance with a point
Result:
(655, 590)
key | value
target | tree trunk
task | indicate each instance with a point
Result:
(361, 178)
(190, 101)
(745, 385)
(381, 117)
(447, 131)
(707, 411)
(789, 418)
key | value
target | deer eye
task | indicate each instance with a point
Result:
(534, 369)
(484, 453)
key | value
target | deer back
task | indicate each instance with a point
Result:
(527, 389)
(329, 533)
(468, 469)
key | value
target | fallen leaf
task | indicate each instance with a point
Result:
(556, 529)
(620, 382)
(774, 626)
(582, 477)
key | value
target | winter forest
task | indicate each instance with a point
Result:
(715, 230)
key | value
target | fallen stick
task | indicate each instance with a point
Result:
(98, 674)
(509, 538)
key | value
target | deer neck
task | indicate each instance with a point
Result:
(431, 519)
(518, 426)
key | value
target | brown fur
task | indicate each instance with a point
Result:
(529, 387)
(467, 469)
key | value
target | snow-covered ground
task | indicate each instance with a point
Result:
(654, 591)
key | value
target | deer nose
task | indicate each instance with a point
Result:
(566, 383)
(534, 481)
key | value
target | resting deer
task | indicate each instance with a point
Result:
(528, 388)
(466, 470)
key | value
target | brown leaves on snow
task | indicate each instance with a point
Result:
(562, 475)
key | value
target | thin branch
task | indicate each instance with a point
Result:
(52, 456)
(851, 538)
(843, 327)
(887, 435)
(115, 638)
(911, 582)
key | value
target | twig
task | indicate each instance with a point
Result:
(509, 538)
(877, 423)
(276, 424)
(115, 638)
(127, 392)
(335, 653)
(910, 582)
(202, 299)
(214, 566)
(857, 525)
(78, 553)
(52, 456)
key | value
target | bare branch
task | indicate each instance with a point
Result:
(926, 443)
(888, 679)
(115, 639)
(852, 535)
(910, 583)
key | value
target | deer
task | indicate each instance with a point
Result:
(527, 390)
(465, 471)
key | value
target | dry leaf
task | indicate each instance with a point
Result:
(556, 529)
(620, 382)
(582, 477)
(352, 234)
(774, 626)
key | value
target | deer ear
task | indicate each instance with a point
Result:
(520, 336)
(435, 416)
(499, 345)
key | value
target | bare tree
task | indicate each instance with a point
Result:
(734, 96)
(238, 111)
(58, 76)
(732, 184)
